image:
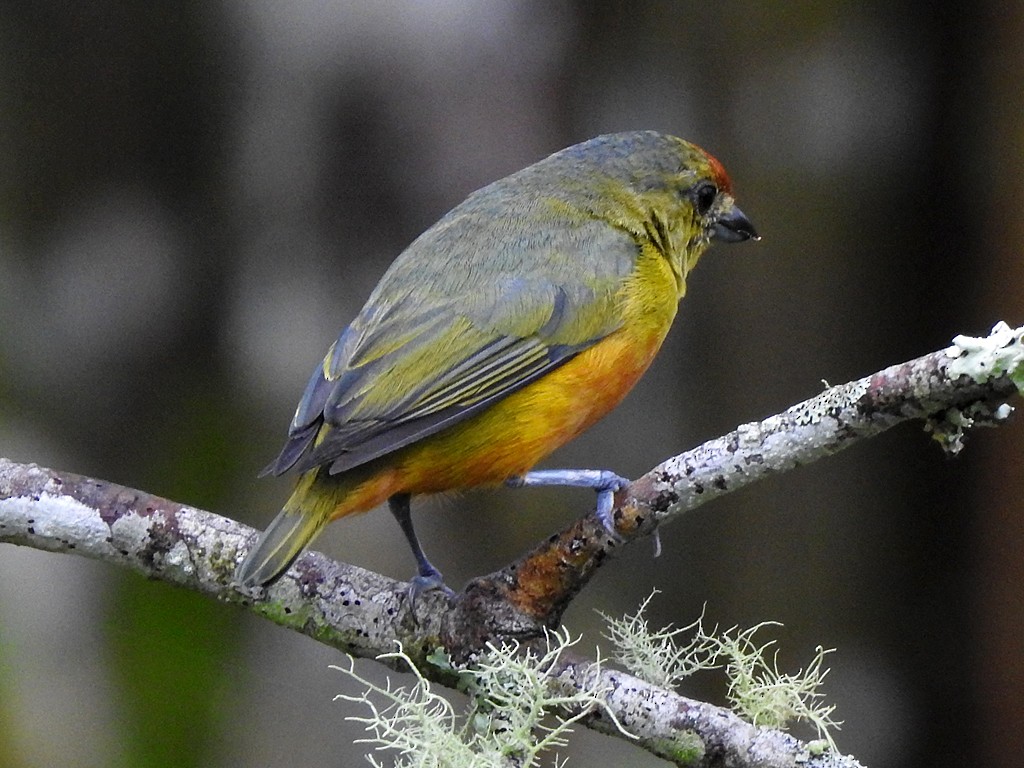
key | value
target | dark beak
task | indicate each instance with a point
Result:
(734, 227)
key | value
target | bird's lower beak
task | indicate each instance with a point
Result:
(734, 227)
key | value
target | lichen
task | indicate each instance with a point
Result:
(999, 353)
(514, 715)
(687, 748)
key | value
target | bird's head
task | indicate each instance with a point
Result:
(662, 189)
(683, 196)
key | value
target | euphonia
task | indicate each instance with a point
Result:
(502, 332)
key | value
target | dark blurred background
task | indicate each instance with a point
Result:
(196, 197)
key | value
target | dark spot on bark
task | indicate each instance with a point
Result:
(163, 536)
(698, 488)
(310, 578)
(664, 500)
(719, 483)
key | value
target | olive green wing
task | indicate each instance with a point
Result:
(431, 348)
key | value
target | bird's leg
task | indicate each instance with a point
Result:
(601, 480)
(428, 577)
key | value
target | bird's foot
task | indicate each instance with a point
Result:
(427, 580)
(605, 482)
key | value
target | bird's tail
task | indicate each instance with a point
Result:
(304, 515)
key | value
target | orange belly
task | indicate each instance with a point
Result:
(511, 436)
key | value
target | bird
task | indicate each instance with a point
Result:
(505, 330)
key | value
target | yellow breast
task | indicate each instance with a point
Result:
(514, 434)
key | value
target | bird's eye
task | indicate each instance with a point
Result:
(704, 195)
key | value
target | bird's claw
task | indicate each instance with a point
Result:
(427, 582)
(609, 485)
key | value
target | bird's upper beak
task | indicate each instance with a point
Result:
(734, 227)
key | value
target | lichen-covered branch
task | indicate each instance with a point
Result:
(951, 390)
(342, 605)
(687, 732)
(367, 614)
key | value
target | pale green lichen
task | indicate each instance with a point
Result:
(818, 747)
(1001, 352)
(687, 748)
(414, 721)
(757, 691)
(949, 428)
(981, 359)
(660, 657)
(514, 715)
(763, 695)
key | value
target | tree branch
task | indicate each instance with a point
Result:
(367, 614)
(952, 389)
